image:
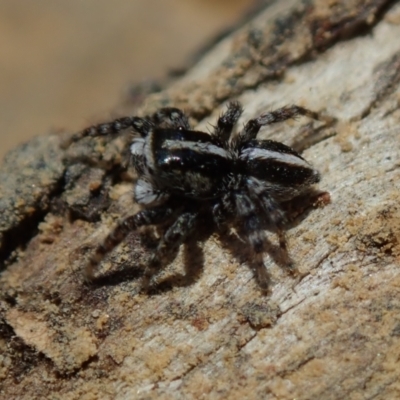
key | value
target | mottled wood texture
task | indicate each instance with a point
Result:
(334, 334)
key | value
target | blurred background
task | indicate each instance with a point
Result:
(65, 63)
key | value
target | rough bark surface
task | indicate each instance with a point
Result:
(333, 334)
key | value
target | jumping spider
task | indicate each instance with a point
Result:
(184, 175)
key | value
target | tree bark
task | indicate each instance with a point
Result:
(333, 334)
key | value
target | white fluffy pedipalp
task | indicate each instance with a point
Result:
(137, 147)
(146, 194)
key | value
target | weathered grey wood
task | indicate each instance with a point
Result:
(334, 334)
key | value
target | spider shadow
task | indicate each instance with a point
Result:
(242, 251)
(309, 136)
(193, 263)
(297, 210)
(300, 207)
(141, 246)
(126, 273)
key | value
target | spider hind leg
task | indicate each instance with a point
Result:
(248, 213)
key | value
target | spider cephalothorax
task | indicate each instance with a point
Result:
(183, 174)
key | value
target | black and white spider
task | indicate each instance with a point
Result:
(184, 175)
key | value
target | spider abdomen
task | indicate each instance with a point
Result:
(281, 168)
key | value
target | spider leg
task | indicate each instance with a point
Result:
(276, 218)
(273, 214)
(175, 235)
(139, 125)
(277, 221)
(252, 226)
(150, 216)
(227, 121)
(222, 211)
(170, 117)
(253, 126)
(260, 193)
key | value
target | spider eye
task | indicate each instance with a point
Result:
(180, 128)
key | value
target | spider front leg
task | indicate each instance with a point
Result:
(175, 235)
(226, 122)
(115, 127)
(150, 216)
(253, 126)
